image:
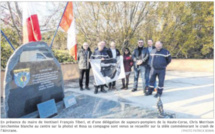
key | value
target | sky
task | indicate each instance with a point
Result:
(43, 10)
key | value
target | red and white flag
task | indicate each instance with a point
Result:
(31, 27)
(68, 25)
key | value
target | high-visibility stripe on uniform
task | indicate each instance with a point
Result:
(161, 55)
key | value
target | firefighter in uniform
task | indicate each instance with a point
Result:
(100, 53)
(160, 59)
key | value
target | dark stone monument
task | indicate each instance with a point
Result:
(47, 109)
(33, 75)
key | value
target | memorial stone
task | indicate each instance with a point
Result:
(33, 75)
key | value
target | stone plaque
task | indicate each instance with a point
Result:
(33, 75)
(47, 109)
(69, 101)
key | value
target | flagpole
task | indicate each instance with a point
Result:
(58, 26)
(7, 40)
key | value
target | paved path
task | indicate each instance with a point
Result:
(187, 94)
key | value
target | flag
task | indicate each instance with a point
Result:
(108, 70)
(31, 27)
(68, 25)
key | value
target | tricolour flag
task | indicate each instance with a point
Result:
(31, 27)
(68, 25)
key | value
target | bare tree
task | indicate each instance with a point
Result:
(11, 16)
(108, 21)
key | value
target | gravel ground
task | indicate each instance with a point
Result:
(94, 107)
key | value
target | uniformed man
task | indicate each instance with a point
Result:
(160, 59)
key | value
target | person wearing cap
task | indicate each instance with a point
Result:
(140, 56)
(160, 59)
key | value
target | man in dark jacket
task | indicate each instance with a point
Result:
(140, 56)
(160, 59)
(100, 53)
(148, 67)
(114, 54)
(84, 65)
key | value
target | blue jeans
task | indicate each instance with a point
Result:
(148, 76)
(137, 71)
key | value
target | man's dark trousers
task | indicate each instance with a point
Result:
(112, 84)
(161, 77)
(81, 77)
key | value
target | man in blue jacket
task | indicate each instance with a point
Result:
(160, 59)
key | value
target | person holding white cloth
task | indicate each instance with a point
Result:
(113, 53)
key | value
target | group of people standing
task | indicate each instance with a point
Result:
(150, 62)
